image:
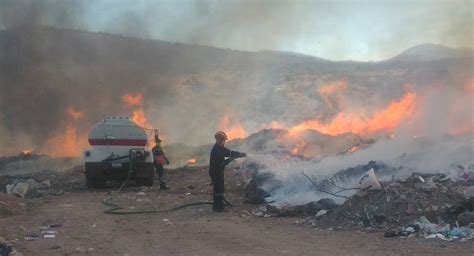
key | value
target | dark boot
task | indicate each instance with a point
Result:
(218, 204)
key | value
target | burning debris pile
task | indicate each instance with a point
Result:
(430, 204)
(397, 203)
(307, 144)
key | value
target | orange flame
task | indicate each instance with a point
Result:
(332, 94)
(385, 120)
(275, 125)
(192, 161)
(76, 115)
(133, 100)
(27, 151)
(69, 144)
(233, 131)
(66, 145)
(136, 100)
(139, 118)
(299, 148)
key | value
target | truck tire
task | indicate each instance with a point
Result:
(99, 181)
(89, 173)
(145, 174)
(94, 176)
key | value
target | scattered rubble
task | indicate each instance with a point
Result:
(399, 202)
(429, 205)
(312, 208)
(30, 187)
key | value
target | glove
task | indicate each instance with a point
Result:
(227, 161)
(167, 162)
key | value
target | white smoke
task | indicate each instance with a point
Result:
(406, 154)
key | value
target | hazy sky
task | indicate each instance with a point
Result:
(338, 30)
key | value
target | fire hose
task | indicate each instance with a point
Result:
(116, 209)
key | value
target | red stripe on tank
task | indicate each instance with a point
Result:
(117, 142)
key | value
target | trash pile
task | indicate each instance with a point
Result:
(424, 227)
(30, 187)
(397, 203)
(429, 205)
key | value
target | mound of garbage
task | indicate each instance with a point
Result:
(397, 203)
(432, 205)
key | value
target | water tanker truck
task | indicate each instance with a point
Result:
(118, 150)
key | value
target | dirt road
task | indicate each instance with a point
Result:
(86, 230)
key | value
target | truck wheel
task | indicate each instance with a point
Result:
(89, 173)
(145, 174)
(94, 176)
(99, 181)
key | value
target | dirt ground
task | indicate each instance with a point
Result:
(197, 230)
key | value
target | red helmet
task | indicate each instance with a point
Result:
(220, 135)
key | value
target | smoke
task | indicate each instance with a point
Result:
(439, 139)
(188, 89)
(67, 13)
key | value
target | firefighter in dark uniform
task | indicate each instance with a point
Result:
(159, 159)
(217, 164)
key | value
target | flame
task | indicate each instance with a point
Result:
(191, 161)
(136, 100)
(275, 125)
(68, 144)
(299, 148)
(76, 115)
(27, 151)
(385, 120)
(132, 100)
(233, 131)
(139, 118)
(332, 94)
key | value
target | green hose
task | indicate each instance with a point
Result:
(115, 208)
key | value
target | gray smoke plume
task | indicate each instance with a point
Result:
(49, 64)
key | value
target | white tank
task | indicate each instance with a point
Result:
(118, 131)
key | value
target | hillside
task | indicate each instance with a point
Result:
(187, 89)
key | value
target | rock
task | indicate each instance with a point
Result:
(468, 192)
(21, 189)
(321, 213)
(45, 183)
(465, 218)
